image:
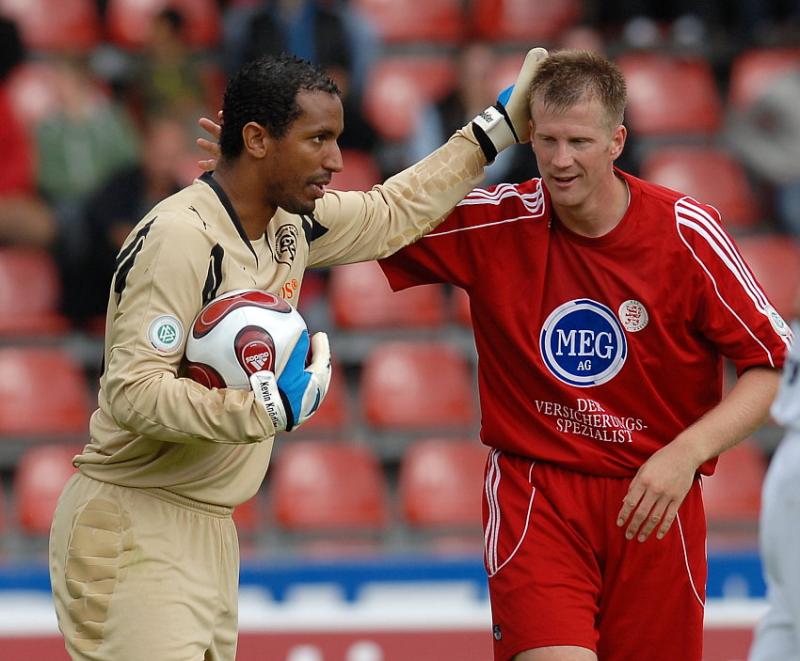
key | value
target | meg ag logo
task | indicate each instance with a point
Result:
(583, 344)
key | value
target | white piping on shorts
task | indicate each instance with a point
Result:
(492, 532)
(686, 561)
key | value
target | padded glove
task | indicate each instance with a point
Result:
(294, 396)
(506, 122)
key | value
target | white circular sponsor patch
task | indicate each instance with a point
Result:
(166, 333)
(780, 326)
(633, 315)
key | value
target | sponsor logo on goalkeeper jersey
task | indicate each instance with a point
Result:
(583, 343)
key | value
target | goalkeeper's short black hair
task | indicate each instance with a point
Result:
(265, 91)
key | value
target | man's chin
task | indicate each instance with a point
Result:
(299, 206)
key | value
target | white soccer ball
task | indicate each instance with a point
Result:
(240, 333)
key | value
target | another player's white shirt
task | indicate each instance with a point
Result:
(786, 407)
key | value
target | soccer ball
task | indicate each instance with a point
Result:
(240, 333)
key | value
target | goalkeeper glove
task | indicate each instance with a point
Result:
(506, 122)
(294, 396)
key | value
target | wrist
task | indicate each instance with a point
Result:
(494, 131)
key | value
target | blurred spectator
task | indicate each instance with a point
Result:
(79, 146)
(24, 218)
(766, 136)
(168, 78)
(476, 86)
(120, 203)
(310, 29)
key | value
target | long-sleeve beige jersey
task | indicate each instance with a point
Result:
(155, 428)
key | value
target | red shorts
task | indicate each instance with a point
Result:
(562, 573)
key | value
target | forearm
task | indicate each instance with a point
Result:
(737, 416)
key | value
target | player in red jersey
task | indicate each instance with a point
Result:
(602, 308)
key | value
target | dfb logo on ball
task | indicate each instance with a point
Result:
(240, 333)
(583, 344)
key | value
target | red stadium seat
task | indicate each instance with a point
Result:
(417, 386)
(670, 96)
(393, 105)
(362, 299)
(753, 70)
(732, 495)
(333, 415)
(775, 261)
(249, 516)
(360, 172)
(129, 21)
(30, 293)
(40, 477)
(711, 176)
(43, 392)
(433, 75)
(440, 484)
(72, 25)
(529, 21)
(439, 21)
(320, 486)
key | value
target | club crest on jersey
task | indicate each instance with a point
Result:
(583, 344)
(286, 244)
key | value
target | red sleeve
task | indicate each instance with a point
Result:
(455, 252)
(17, 177)
(733, 311)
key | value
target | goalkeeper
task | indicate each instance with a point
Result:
(143, 551)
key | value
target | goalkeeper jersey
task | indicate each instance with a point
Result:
(595, 352)
(155, 428)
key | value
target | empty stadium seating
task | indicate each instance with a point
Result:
(711, 176)
(441, 484)
(128, 22)
(417, 386)
(41, 475)
(326, 486)
(72, 25)
(775, 261)
(732, 496)
(30, 294)
(439, 21)
(670, 96)
(523, 21)
(43, 393)
(754, 69)
(361, 299)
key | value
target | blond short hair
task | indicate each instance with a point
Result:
(569, 76)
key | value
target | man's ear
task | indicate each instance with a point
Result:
(618, 141)
(257, 140)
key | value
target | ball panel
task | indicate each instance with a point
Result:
(219, 307)
(205, 375)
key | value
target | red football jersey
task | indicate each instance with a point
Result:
(593, 353)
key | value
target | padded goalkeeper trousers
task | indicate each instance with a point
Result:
(143, 574)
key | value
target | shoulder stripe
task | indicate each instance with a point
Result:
(688, 213)
(534, 202)
(505, 221)
(691, 217)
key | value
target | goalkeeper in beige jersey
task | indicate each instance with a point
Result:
(143, 552)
